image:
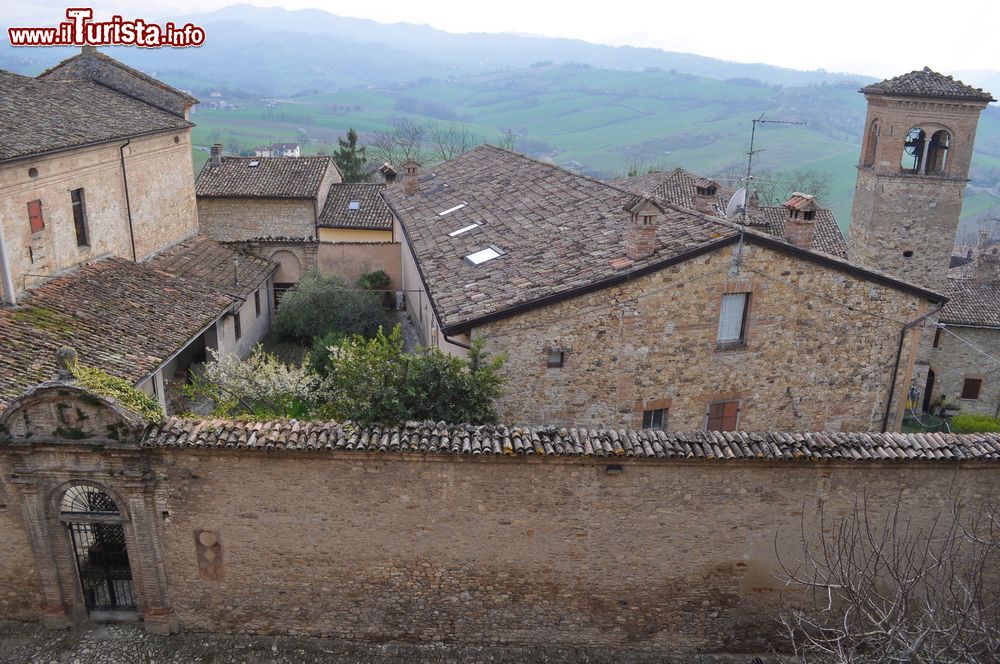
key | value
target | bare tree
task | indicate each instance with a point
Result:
(403, 140)
(450, 141)
(508, 139)
(896, 589)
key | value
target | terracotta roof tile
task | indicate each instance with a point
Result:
(123, 317)
(972, 303)
(39, 116)
(927, 83)
(263, 177)
(356, 205)
(202, 259)
(465, 439)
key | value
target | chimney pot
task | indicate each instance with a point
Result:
(217, 154)
(644, 219)
(706, 196)
(800, 219)
(411, 172)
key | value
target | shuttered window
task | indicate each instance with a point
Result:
(35, 216)
(732, 319)
(723, 416)
(971, 388)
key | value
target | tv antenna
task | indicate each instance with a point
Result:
(738, 203)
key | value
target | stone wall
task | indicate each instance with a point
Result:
(677, 555)
(955, 361)
(242, 219)
(819, 352)
(19, 599)
(161, 195)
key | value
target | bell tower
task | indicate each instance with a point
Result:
(914, 166)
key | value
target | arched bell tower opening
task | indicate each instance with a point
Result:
(912, 173)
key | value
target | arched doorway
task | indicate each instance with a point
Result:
(95, 525)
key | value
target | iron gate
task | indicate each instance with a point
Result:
(102, 559)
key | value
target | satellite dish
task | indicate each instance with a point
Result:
(737, 204)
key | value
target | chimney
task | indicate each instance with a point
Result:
(411, 171)
(753, 204)
(706, 196)
(800, 219)
(216, 155)
(388, 173)
(644, 219)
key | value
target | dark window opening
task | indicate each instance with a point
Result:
(80, 217)
(809, 215)
(723, 416)
(648, 219)
(256, 302)
(237, 325)
(35, 219)
(706, 191)
(908, 253)
(937, 338)
(555, 359)
(654, 419)
(937, 152)
(913, 151)
(971, 388)
(733, 318)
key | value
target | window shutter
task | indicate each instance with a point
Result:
(35, 219)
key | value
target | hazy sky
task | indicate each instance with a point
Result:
(876, 38)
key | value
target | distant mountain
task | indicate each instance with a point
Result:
(276, 52)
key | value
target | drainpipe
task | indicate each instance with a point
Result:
(899, 356)
(128, 204)
(9, 295)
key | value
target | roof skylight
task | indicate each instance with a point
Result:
(450, 210)
(354, 205)
(466, 229)
(483, 255)
(255, 162)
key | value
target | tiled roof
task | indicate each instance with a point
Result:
(558, 231)
(39, 116)
(927, 83)
(972, 303)
(123, 317)
(678, 187)
(371, 212)
(209, 262)
(464, 439)
(271, 177)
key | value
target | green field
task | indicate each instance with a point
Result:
(601, 121)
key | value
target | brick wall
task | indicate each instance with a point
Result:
(239, 219)
(675, 555)
(811, 360)
(19, 599)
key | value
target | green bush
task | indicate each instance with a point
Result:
(320, 304)
(972, 423)
(377, 280)
(373, 380)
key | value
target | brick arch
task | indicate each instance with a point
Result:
(289, 266)
(871, 143)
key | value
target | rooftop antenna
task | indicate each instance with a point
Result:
(738, 203)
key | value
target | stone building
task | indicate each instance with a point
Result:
(98, 242)
(504, 535)
(298, 214)
(623, 310)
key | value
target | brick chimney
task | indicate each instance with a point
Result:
(388, 173)
(706, 196)
(644, 219)
(411, 171)
(216, 158)
(800, 219)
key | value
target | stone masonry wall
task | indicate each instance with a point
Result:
(161, 193)
(239, 219)
(819, 353)
(955, 361)
(19, 598)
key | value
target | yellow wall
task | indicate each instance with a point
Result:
(353, 235)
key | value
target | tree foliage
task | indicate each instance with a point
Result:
(373, 380)
(320, 304)
(350, 158)
(876, 585)
(260, 386)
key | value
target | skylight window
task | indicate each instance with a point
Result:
(483, 255)
(450, 210)
(255, 162)
(354, 205)
(463, 230)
